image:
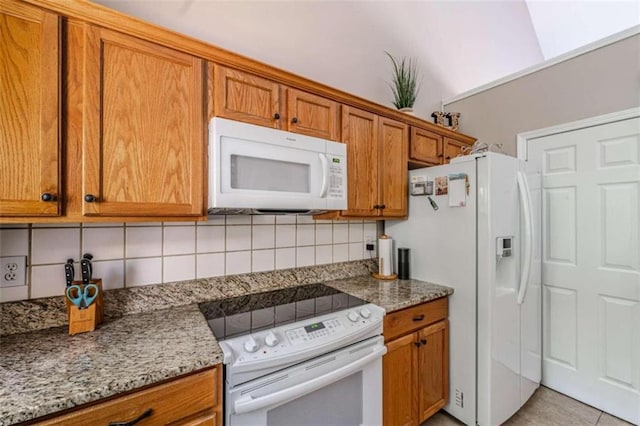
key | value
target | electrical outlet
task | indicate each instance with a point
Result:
(13, 271)
(370, 242)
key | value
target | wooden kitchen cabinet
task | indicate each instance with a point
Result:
(425, 147)
(377, 166)
(452, 148)
(251, 99)
(140, 130)
(415, 381)
(194, 400)
(29, 111)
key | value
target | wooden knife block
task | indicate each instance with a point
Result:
(84, 320)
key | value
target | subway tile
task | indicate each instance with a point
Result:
(47, 281)
(238, 262)
(285, 258)
(263, 219)
(355, 251)
(13, 294)
(238, 219)
(305, 235)
(262, 260)
(285, 235)
(143, 241)
(370, 230)
(56, 225)
(355, 232)
(13, 225)
(340, 233)
(324, 234)
(103, 243)
(143, 271)
(138, 224)
(286, 219)
(51, 245)
(238, 238)
(340, 253)
(210, 265)
(305, 256)
(111, 272)
(304, 219)
(102, 225)
(14, 242)
(324, 254)
(210, 239)
(263, 236)
(213, 220)
(190, 223)
(179, 240)
(178, 268)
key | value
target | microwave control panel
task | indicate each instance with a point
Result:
(337, 176)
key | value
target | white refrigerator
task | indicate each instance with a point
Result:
(479, 239)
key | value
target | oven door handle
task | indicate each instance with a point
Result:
(247, 404)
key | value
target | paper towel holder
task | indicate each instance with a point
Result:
(378, 275)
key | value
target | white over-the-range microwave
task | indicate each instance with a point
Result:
(259, 170)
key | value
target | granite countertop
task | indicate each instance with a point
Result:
(46, 371)
(391, 295)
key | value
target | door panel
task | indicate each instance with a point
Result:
(591, 271)
(394, 137)
(29, 110)
(143, 150)
(425, 146)
(433, 360)
(360, 133)
(452, 149)
(399, 382)
(312, 115)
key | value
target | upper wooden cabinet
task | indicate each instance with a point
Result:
(428, 148)
(452, 148)
(376, 165)
(248, 98)
(29, 111)
(143, 147)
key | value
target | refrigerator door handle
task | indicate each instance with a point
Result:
(525, 203)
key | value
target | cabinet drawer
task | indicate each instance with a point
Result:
(179, 401)
(414, 318)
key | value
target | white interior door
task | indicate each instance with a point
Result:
(591, 264)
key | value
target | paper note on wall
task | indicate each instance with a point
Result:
(458, 190)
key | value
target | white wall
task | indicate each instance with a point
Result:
(599, 82)
(135, 254)
(459, 45)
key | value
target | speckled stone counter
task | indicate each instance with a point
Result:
(46, 371)
(391, 295)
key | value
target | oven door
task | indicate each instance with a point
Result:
(340, 388)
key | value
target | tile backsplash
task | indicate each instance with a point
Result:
(135, 254)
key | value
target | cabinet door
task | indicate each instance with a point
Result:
(312, 115)
(452, 148)
(246, 97)
(425, 146)
(143, 146)
(399, 382)
(393, 139)
(29, 111)
(433, 361)
(360, 133)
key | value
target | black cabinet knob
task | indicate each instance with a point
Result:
(90, 198)
(423, 341)
(294, 120)
(383, 206)
(276, 116)
(47, 197)
(377, 206)
(417, 344)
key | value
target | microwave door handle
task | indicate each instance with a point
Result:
(247, 404)
(325, 175)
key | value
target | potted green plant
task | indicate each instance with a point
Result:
(405, 82)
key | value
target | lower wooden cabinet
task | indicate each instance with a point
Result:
(194, 400)
(415, 378)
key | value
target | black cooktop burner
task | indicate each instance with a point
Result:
(259, 311)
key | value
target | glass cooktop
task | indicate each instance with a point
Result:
(253, 312)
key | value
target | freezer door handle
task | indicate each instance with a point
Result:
(525, 203)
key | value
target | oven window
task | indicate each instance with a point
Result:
(263, 174)
(339, 403)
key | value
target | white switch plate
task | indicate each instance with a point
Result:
(13, 271)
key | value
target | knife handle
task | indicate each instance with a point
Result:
(85, 268)
(69, 272)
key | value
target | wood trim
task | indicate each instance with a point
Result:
(103, 16)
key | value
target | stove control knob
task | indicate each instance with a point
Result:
(365, 313)
(251, 345)
(271, 339)
(353, 317)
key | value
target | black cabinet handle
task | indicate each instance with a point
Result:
(294, 120)
(47, 197)
(417, 344)
(142, 416)
(90, 198)
(276, 116)
(418, 318)
(377, 206)
(423, 341)
(383, 206)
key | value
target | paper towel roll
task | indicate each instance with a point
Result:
(385, 255)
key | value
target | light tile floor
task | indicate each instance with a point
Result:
(546, 408)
